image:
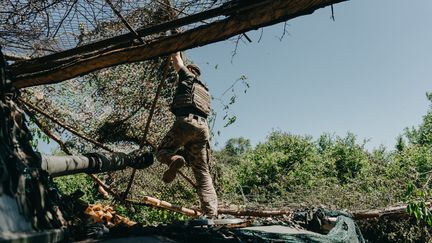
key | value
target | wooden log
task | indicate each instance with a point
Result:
(397, 211)
(154, 202)
(63, 66)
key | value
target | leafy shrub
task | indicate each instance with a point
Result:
(349, 157)
(265, 168)
(71, 183)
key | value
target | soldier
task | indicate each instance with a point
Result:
(190, 131)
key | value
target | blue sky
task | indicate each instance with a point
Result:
(367, 73)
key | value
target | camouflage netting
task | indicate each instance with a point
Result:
(111, 105)
(31, 29)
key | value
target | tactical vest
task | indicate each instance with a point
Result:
(192, 95)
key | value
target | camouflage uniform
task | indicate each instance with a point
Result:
(190, 131)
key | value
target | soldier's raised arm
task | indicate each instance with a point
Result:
(177, 61)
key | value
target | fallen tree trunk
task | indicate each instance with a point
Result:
(398, 211)
(62, 66)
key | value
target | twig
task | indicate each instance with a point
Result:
(247, 37)
(125, 22)
(230, 87)
(261, 35)
(64, 18)
(284, 32)
(235, 48)
(202, 21)
(187, 179)
(105, 187)
(332, 17)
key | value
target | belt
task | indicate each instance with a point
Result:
(194, 116)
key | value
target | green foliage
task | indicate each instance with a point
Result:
(417, 199)
(234, 148)
(71, 183)
(414, 162)
(148, 215)
(400, 144)
(423, 134)
(349, 157)
(237, 146)
(265, 169)
(37, 135)
(141, 214)
(425, 130)
(334, 171)
(228, 117)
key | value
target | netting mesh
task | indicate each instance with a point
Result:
(111, 106)
(35, 28)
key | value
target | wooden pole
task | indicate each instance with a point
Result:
(154, 202)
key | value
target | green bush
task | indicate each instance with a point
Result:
(335, 171)
(71, 183)
(349, 157)
(265, 169)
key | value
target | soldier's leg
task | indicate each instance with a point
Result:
(199, 156)
(166, 152)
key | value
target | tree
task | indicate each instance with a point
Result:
(237, 146)
(422, 135)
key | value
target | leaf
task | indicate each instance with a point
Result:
(232, 100)
(417, 214)
(429, 220)
(410, 209)
(231, 120)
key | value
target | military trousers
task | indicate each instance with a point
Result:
(192, 134)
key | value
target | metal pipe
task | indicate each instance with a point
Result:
(93, 163)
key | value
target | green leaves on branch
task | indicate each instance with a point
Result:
(226, 104)
(418, 203)
(230, 121)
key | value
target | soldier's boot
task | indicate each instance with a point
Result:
(174, 167)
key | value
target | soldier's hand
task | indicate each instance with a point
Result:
(176, 55)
